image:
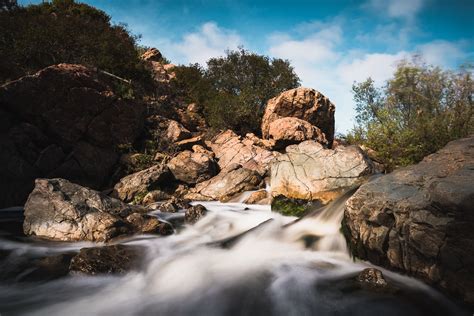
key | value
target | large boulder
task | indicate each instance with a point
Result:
(291, 130)
(60, 210)
(231, 149)
(135, 186)
(226, 185)
(309, 171)
(303, 103)
(420, 219)
(64, 121)
(193, 167)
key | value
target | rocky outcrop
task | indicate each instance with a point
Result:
(231, 149)
(135, 186)
(303, 103)
(152, 54)
(420, 219)
(309, 171)
(60, 210)
(226, 185)
(291, 130)
(176, 132)
(63, 121)
(193, 167)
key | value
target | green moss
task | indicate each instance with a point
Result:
(290, 207)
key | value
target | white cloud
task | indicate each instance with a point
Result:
(442, 53)
(406, 9)
(209, 41)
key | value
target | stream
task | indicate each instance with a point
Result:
(281, 267)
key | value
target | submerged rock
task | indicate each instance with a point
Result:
(420, 219)
(372, 279)
(60, 210)
(306, 104)
(308, 171)
(194, 213)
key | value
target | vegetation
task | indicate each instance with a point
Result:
(63, 31)
(233, 89)
(291, 207)
(416, 113)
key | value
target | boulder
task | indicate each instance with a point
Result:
(291, 130)
(419, 219)
(64, 121)
(226, 185)
(152, 54)
(60, 210)
(258, 197)
(176, 132)
(134, 187)
(194, 213)
(231, 149)
(309, 171)
(192, 167)
(303, 103)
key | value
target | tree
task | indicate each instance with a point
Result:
(234, 89)
(416, 113)
(64, 31)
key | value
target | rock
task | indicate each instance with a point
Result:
(152, 54)
(291, 130)
(72, 130)
(250, 138)
(134, 187)
(308, 171)
(176, 132)
(155, 196)
(226, 185)
(303, 103)
(372, 279)
(173, 205)
(192, 167)
(194, 213)
(189, 143)
(420, 219)
(106, 259)
(60, 210)
(231, 149)
(257, 197)
(202, 150)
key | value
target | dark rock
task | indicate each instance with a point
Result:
(372, 279)
(194, 213)
(106, 260)
(420, 219)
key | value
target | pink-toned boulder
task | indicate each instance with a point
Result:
(303, 103)
(291, 130)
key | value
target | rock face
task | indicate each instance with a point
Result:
(60, 210)
(303, 103)
(63, 121)
(308, 171)
(231, 149)
(226, 185)
(291, 130)
(138, 184)
(193, 167)
(420, 219)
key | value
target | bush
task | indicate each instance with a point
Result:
(416, 113)
(64, 31)
(233, 89)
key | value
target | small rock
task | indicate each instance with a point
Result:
(372, 279)
(192, 167)
(194, 213)
(176, 132)
(256, 197)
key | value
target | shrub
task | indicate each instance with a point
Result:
(233, 89)
(416, 113)
(64, 31)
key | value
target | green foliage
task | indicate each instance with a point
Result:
(416, 113)
(234, 89)
(290, 207)
(64, 31)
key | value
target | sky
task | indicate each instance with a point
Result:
(331, 44)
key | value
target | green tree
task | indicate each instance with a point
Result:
(416, 113)
(64, 31)
(234, 89)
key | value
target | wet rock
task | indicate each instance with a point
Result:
(173, 205)
(147, 224)
(193, 167)
(226, 185)
(309, 171)
(257, 197)
(106, 260)
(419, 219)
(291, 130)
(176, 132)
(72, 131)
(372, 279)
(194, 213)
(302, 103)
(231, 149)
(291, 207)
(155, 196)
(134, 187)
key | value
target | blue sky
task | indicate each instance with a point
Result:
(331, 44)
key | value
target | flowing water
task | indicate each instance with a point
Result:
(281, 267)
